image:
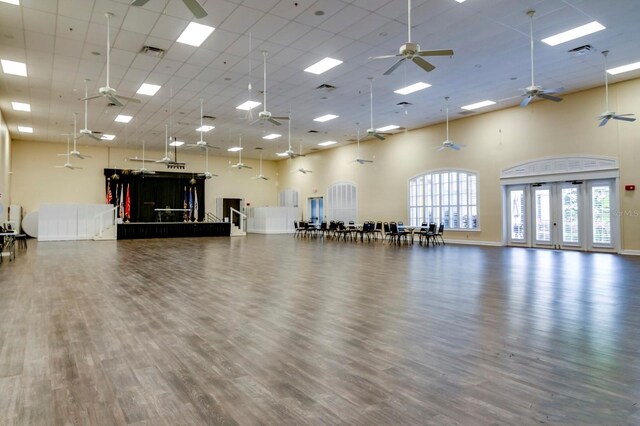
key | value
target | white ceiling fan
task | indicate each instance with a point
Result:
(372, 130)
(608, 114)
(75, 151)
(260, 176)
(85, 132)
(265, 115)
(290, 153)
(359, 159)
(534, 91)
(240, 165)
(107, 91)
(201, 143)
(193, 6)
(303, 171)
(68, 164)
(449, 143)
(412, 52)
(142, 170)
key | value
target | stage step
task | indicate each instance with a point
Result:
(237, 232)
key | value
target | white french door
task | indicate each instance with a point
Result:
(562, 215)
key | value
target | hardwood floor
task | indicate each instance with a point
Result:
(277, 330)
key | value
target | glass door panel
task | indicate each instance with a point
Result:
(570, 208)
(517, 215)
(542, 206)
(601, 215)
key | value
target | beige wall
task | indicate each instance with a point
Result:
(5, 168)
(494, 140)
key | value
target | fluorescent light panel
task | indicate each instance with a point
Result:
(581, 31)
(195, 34)
(325, 118)
(108, 137)
(478, 105)
(413, 88)
(322, 66)
(16, 2)
(205, 128)
(19, 106)
(13, 67)
(282, 154)
(148, 89)
(176, 143)
(271, 136)
(235, 149)
(624, 68)
(461, 1)
(123, 118)
(25, 129)
(387, 128)
(248, 105)
(327, 143)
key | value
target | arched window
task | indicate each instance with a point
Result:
(444, 196)
(342, 202)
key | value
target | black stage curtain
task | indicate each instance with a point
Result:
(163, 190)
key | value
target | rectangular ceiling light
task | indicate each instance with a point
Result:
(176, 143)
(478, 105)
(282, 154)
(325, 118)
(195, 34)
(108, 137)
(624, 68)
(25, 129)
(235, 149)
(581, 31)
(271, 136)
(324, 65)
(123, 118)
(13, 67)
(19, 106)
(461, 1)
(16, 2)
(413, 88)
(327, 143)
(205, 128)
(387, 128)
(148, 89)
(249, 105)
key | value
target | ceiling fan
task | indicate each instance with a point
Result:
(449, 143)
(107, 91)
(207, 174)
(142, 170)
(359, 159)
(260, 176)
(75, 151)
(534, 91)
(265, 115)
(303, 171)
(608, 115)
(372, 131)
(240, 165)
(201, 143)
(412, 52)
(68, 164)
(193, 6)
(290, 153)
(86, 132)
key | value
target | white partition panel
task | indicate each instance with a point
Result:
(271, 220)
(66, 222)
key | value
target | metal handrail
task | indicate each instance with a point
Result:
(243, 217)
(103, 224)
(210, 217)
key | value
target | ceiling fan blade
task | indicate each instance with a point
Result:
(255, 121)
(247, 167)
(280, 118)
(556, 90)
(126, 98)
(393, 67)
(526, 100)
(91, 135)
(455, 147)
(440, 148)
(195, 8)
(384, 57)
(549, 97)
(139, 2)
(604, 121)
(115, 101)
(378, 136)
(91, 97)
(442, 52)
(272, 121)
(423, 64)
(624, 117)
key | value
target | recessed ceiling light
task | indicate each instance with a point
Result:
(248, 105)
(624, 68)
(325, 118)
(176, 143)
(282, 154)
(25, 129)
(123, 118)
(13, 67)
(205, 128)
(324, 65)
(461, 1)
(271, 136)
(478, 105)
(412, 88)
(387, 128)
(19, 106)
(148, 89)
(108, 137)
(581, 31)
(327, 143)
(235, 149)
(16, 2)
(195, 34)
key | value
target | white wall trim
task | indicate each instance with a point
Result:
(630, 252)
(475, 242)
(560, 168)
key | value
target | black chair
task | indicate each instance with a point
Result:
(430, 234)
(367, 230)
(393, 232)
(298, 229)
(377, 230)
(402, 233)
(324, 231)
(387, 231)
(439, 235)
(343, 231)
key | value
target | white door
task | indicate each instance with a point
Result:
(517, 216)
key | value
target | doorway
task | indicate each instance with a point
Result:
(224, 206)
(316, 209)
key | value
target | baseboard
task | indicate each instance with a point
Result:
(630, 252)
(475, 243)
(273, 231)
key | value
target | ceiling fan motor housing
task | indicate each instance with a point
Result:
(409, 49)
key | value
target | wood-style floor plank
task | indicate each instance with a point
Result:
(277, 330)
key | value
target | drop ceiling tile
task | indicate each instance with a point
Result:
(140, 20)
(168, 27)
(220, 40)
(241, 20)
(129, 41)
(40, 22)
(38, 5)
(311, 39)
(189, 71)
(74, 9)
(10, 15)
(180, 52)
(290, 33)
(267, 26)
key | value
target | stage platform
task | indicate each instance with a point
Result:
(130, 231)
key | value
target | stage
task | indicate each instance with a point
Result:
(130, 231)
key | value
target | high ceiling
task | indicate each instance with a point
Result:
(63, 42)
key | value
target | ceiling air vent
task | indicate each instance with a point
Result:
(208, 117)
(156, 52)
(326, 87)
(404, 104)
(312, 131)
(582, 50)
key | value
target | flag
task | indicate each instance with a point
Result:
(195, 204)
(185, 205)
(190, 204)
(127, 204)
(117, 195)
(121, 202)
(109, 196)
